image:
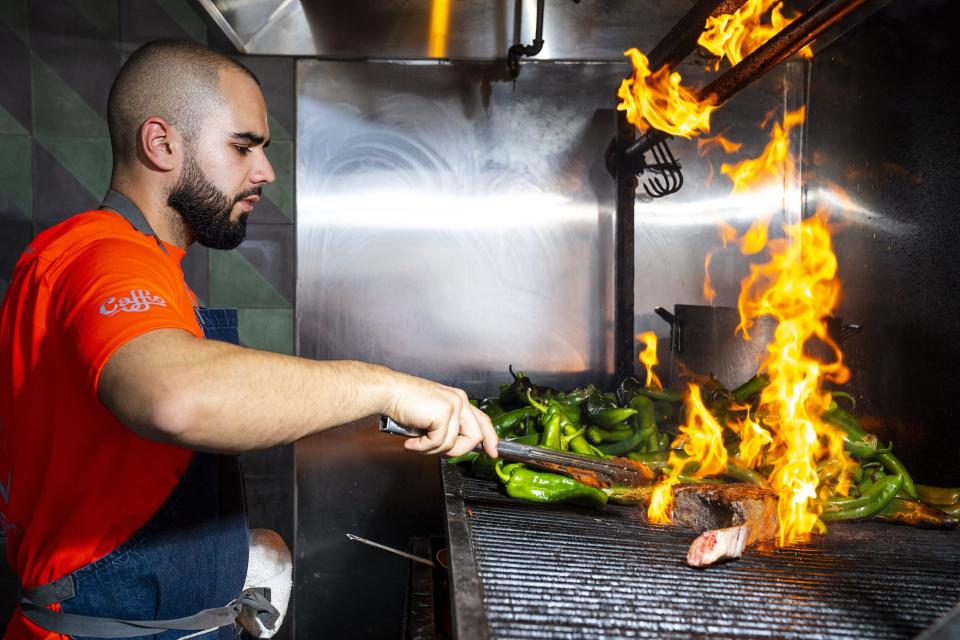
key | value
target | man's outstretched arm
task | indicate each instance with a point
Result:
(170, 386)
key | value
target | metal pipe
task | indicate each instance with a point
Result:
(788, 41)
(515, 52)
(778, 48)
(623, 260)
(682, 39)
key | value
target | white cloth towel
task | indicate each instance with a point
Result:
(271, 566)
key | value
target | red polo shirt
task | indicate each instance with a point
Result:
(75, 482)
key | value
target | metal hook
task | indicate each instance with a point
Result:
(669, 178)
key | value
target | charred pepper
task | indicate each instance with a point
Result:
(873, 501)
(538, 486)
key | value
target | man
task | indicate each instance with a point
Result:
(119, 502)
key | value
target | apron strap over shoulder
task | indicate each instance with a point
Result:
(34, 602)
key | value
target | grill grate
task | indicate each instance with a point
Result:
(560, 572)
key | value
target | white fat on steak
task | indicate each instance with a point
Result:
(716, 545)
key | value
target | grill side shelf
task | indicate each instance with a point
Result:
(466, 596)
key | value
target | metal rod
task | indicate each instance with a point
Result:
(404, 554)
(623, 260)
(682, 39)
(778, 48)
(788, 41)
(516, 51)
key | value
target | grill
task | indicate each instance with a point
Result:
(521, 570)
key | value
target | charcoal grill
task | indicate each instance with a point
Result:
(521, 570)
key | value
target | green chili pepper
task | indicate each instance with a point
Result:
(657, 461)
(846, 396)
(602, 410)
(893, 465)
(469, 456)
(856, 441)
(492, 407)
(483, 466)
(952, 510)
(751, 387)
(532, 439)
(507, 421)
(938, 495)
(629, 495)
(915, 514)
(872, 502)
(598, 435)
(577, 396)
(552, 428)
(574, 440)
(645, 423)
(745, 475)
(539, 486)
(663, 441)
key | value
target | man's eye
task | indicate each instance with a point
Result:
(242, 150)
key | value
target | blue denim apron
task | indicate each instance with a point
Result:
(190, 557)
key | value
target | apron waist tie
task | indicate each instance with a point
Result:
(34, 602)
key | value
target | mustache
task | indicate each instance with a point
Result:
(255, 191)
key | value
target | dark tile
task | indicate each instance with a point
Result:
(83, 19)
(260, 273)
(267, 329)
(16, 193)
(89, 160)
(15, 80)
(144, 20)
(79, 46)
(279, 196)
(13, 14)
(14, 236)
(57, 194)
(58, 110)
(277, 82)
(196, 271)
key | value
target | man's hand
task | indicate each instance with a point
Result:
(454, 426)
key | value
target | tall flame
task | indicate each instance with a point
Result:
(799, 288)
(734, 36)
(702, 440)
(649, 358)
(657, 99)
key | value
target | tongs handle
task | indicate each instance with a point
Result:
(628, 474)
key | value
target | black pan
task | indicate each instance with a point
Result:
(704, 341)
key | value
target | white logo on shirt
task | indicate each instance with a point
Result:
(139, 300)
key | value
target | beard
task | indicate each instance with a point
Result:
(206, 209)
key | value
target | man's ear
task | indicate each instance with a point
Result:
(159, 144)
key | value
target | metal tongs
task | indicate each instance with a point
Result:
(608, 471)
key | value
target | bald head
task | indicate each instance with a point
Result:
(177, 81)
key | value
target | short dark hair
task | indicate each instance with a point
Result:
(172, 79)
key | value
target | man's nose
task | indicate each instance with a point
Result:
(263, 173)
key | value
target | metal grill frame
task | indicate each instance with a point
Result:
(482, 500)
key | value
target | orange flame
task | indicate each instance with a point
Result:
(702, 440)
(773, 164)
(799, 288)
(706, 145)
(754, 441)
(734, 36)
(708, 291)
(649, 358)
(657, 99)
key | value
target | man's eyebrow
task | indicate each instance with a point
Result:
(252, 138)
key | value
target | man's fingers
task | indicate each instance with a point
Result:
(453, 429)
(488, 433)
(462, 445)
